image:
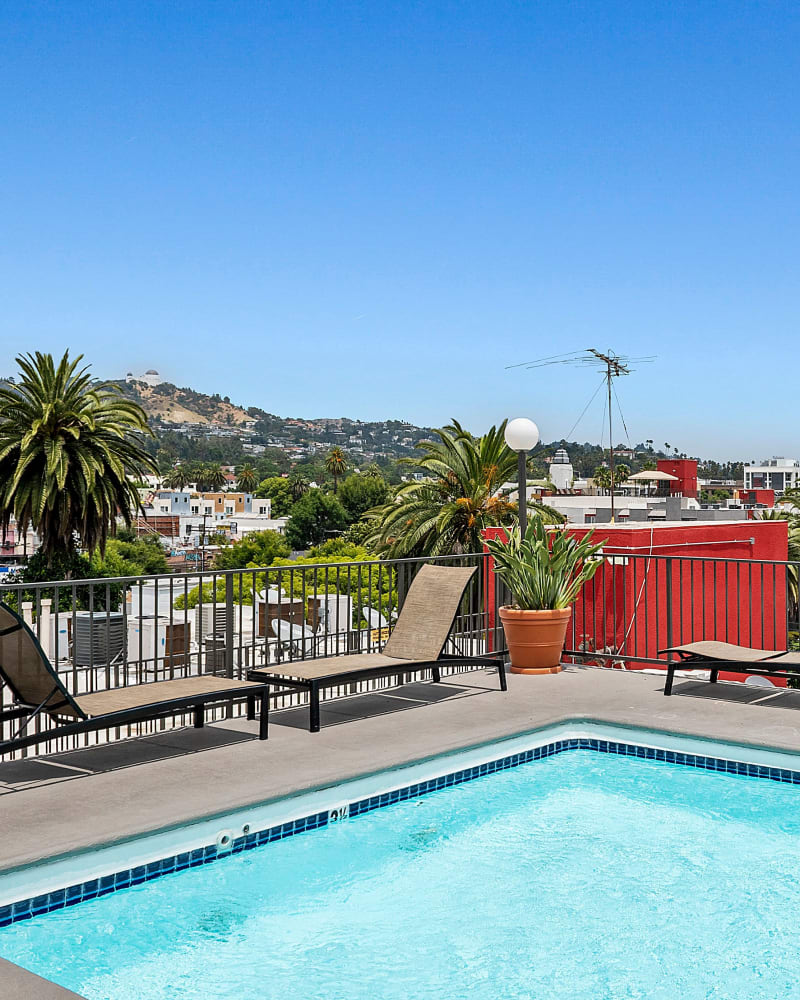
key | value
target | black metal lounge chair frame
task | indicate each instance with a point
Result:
(316, 685)
(197, 703)
(694, 661)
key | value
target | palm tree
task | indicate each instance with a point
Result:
(298, 485)
(793, 554)
(792, 498)
(247, 480)
(463, 495)
(336, 465)
(177, 478)
(69, 448)
(211, 479)
(602, 477)
(621, 473)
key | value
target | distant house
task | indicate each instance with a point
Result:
(150, 377)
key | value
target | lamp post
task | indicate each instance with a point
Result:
(522, 435)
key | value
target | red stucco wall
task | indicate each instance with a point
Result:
(724, 581)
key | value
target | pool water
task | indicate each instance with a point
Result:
(584, 876)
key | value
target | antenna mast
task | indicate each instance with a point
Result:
(614, 367)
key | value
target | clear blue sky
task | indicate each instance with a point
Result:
(368, 209)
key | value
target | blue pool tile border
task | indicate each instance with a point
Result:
(93, 888)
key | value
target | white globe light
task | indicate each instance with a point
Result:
(521, 434)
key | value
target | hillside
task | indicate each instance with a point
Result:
(167, 404)
(190, 424)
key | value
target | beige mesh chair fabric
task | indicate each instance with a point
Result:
(713, 650)
(26, 668)
(34, 682)
(428, 613)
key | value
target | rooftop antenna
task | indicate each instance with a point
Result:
(612, 366)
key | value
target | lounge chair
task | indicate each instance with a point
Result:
(37, 690)
(416, 643)
(715, 656)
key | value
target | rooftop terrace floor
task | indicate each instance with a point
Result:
(71, 802)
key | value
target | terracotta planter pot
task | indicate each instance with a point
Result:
(535, 639)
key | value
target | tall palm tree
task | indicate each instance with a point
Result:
(602, 477)
(298, 485)
(69, 448)
(446, 513)
(211, 478)
(247, 479)
(177, 478)
(201, 477)
(336, 466)
(621, 473)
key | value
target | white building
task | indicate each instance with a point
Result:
(561, 471)
(775, 473)
(150, 377)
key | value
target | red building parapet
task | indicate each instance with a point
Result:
(671, 583)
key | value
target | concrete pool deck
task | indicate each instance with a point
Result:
(54, 806)
(72, 802)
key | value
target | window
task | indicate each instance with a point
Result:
(195, 509)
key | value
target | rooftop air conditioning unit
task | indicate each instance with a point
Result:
(210, 619)
(99, 638)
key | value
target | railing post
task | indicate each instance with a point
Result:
(229, 624)
(669, 607)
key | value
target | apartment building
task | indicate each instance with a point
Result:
(775, 473)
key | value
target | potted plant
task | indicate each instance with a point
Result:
(544, 571)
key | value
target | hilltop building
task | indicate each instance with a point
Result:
(150, 377)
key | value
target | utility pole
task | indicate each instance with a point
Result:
(614, 367)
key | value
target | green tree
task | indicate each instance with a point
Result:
(246, 480)
(201, 472)
(69, 448)
(793, 570)
(336, 466)
(276, 489)
(361, 493)
(259, 548)
(602, 477)
(621, 473)
(177, 478)
(298, 485)
(314, 518)
(126, 556)
(448, 513)
(214, 478)
(374, 585)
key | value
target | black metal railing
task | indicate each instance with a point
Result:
(107, 633)
(638, 604)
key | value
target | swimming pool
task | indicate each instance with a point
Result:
(580, 874)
